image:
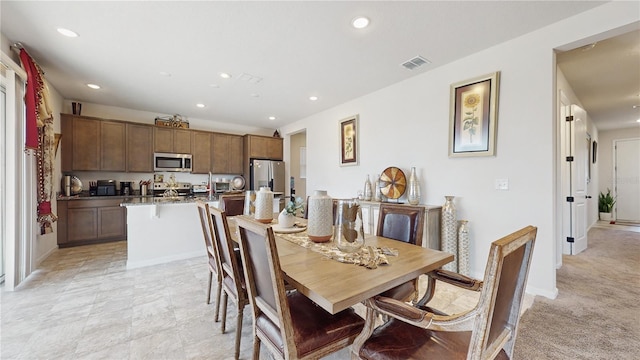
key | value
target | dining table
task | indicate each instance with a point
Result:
(335, 285)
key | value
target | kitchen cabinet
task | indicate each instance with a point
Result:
(170, 140)
(201, 152)
(430, 235)
(92, 144)
(139, 148)
(90, 221)
(112, 146)
(263, 147)
(227, 154)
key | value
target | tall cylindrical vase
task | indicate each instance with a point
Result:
(368, 194)
(320, 221)
(264, 205)
(449, 233)
(414, 188)
(463, 248)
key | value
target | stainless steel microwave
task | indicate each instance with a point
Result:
(172, 162)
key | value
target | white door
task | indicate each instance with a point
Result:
(577, 158)
(627, 180)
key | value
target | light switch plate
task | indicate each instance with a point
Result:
(502, 184)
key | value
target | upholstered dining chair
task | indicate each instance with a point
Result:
(232, 205)
(233, 283)
(212, 253)
(488, 331)
(403, 223)
(289, 324)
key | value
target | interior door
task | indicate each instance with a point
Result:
(627, 180)
(577, 162)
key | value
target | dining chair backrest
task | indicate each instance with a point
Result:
(232, 205)
(289, 324)
(265, 283)
(228, 261)
(213, 260)
(505, 279)
(401, 222)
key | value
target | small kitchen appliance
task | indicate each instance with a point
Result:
(172, 162)
(106, 188)
(125, 187)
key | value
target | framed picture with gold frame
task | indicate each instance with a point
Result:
(474, 116)
(349, 141)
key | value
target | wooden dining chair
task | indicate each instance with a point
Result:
(289, 324)
(233, 282)
(212, 253)
(232, 205)
(403, 223)
(487, 331)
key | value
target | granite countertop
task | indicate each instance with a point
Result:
(85, 196)
(150, 200)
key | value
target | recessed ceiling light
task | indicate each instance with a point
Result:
(638, 120)
(272, 117)
(94, 86)
(67, 32)
(313, 98)
(164, 73)
(360, 22)
(636, 106)
(200, 105)
(225, 75)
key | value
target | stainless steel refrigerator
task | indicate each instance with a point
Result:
(267, 173)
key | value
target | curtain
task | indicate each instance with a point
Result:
(40, 137)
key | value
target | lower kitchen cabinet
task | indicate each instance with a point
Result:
(430, 235)
(90, 221)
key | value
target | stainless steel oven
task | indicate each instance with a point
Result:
(172, 162)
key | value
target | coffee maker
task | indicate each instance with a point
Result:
(125, 187)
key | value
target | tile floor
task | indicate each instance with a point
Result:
(82, 303)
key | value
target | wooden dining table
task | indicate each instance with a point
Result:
(336, 286)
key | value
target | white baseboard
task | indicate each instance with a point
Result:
(542, 292)
(45, 255)
(162, 260)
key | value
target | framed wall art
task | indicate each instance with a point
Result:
(349, 141)
(474, 116)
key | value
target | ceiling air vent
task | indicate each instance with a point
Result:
(415, 62)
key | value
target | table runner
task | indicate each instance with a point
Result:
(368, 256)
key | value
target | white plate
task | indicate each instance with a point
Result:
(290, 230)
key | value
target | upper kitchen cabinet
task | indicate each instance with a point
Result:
(263, 147)
(201, 152)
(170, 140)
(139, 148)
(92, 144)
(227, 154)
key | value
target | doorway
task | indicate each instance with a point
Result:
(627, 180)
(298, 164)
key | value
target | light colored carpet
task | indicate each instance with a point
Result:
(596, 314)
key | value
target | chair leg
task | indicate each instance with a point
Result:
(218, 290)
(209, 288)
(256, 348)
(239, 330)
(224, 310)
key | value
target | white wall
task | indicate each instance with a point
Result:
(406, 125)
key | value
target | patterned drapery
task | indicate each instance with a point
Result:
(40, 137)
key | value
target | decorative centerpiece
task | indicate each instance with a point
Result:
(264, 205)
(287, 217)
(348, 230)
(320, 222)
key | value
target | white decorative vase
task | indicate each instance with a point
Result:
(368, 194)
(320, 221)
(605, 216)
(348, 230)
(414, 188)
(463, 248)
(449, 233)
(264, 205)
(286, 220)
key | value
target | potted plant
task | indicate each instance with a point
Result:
(605, 205)
(287, 217)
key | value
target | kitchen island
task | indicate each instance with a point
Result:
(160, 230)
